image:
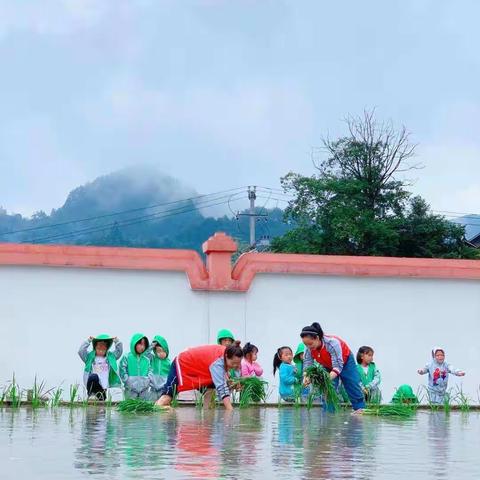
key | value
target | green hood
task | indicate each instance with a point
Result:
(404, 393)
(224, 333)
(300, 349)
(104, 338)
(135, 339)
(162, 342)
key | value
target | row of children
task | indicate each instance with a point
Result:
(146, 371)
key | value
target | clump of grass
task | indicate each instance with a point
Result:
(323, 385)
(135, 405)
(174, 402)
(14, 393)
(447, 403)
(39, 394)
(462, 400)
(400, 410)
(56, 397)
(200, 398)
(108, 402)
(252, 390)
(73, 394)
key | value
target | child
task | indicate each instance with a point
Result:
(282, 361)
(336, 357)
(298, 360)
(250, 367)
(101, 370)
(135, 368)
(202, 367)
(438, 370)
(404, 394)
(160, 363)
(369, 375)
(225, 337)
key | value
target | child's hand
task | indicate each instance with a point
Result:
(115, 339)
(461, 374)
(420, 371)
(90, 338)
(306, 381)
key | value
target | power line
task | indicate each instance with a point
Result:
(107, 215)
(132, 221)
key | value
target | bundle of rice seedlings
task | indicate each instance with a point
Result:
(323, 385)
(136, 405)
(400, 410)
(252, 390)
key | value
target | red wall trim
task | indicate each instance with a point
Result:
(218, 274)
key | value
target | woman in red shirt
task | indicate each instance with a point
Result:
(207, 366)
(336, 357)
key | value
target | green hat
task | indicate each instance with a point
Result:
(224, 333)
(300, 349)
(404, 393)
(103, 337)
(162, 343)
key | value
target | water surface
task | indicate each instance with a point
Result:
(250, 444)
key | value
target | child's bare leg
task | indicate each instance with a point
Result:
(164, 401)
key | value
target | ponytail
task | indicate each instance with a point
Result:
(277, 361)
(234, 350)
(313, 331)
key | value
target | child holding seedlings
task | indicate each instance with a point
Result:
(160, 363)
(282, 361)
(336, 357)
(250, 367)
(135, 368)
(101, 371)
(203, 367)
(369, 374)
(438, 370)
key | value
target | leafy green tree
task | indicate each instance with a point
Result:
(356, 205)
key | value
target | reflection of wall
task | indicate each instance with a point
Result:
(45, 312)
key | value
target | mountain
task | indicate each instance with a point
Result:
(138, 207)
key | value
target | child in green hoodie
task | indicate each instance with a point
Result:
(369, 375)
(135, 368)
(101, 370)
(225, 337)
(160, 363)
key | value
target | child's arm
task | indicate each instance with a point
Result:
(424, 370)
(376, 380)
(245, 370)
(455, 371)
(123, 369)
(217, 371)
(118, 348)
(83, 350)
(257, 369)
(287, 375)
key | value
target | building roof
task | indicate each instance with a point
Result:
(472, 226)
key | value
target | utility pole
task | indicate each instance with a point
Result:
(252, 196)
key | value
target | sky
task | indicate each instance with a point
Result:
(227, 93)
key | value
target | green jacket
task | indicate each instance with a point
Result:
(135, 369)
(112, 357)
(160, 366)
(298, 362)
(371, 379)
(404, 394)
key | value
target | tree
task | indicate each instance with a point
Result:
(356, 205)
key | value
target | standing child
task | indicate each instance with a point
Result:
(438, 370)
(101, 370)
(160, 363)
(135, 368)
(250, 367)
(282, 361)
(369, 374)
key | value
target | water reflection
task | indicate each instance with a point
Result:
(438, 442)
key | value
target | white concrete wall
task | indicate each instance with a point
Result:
(46, 312)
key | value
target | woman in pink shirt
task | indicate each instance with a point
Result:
(250, 367)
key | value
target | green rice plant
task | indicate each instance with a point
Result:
(56, 397)
(136, 405)
(108, 402)
(323, 385)
(39, 393)
(174, 402)
(73, 394)
(200, 398)
(399, 410)
(5, 394)
(447, 403)
(462, 400)
(252, 390)
(15, 394)
(434, 407)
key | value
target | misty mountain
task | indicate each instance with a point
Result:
(139, 207)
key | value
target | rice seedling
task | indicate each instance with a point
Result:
(4, 396)
(462, 400)
(174, 402)
(108, 402)
(73, 394)
(200, 398)
(447, 403)
(252, 390)
(323, 385)
(399, 410)
(39, 394)
(135, 405)
(56, 397)
(15, 394)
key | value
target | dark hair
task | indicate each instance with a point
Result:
(234, 350)
(249, 348)
(313, 331)
(361, 351)
(277, 361)
(143, 340)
